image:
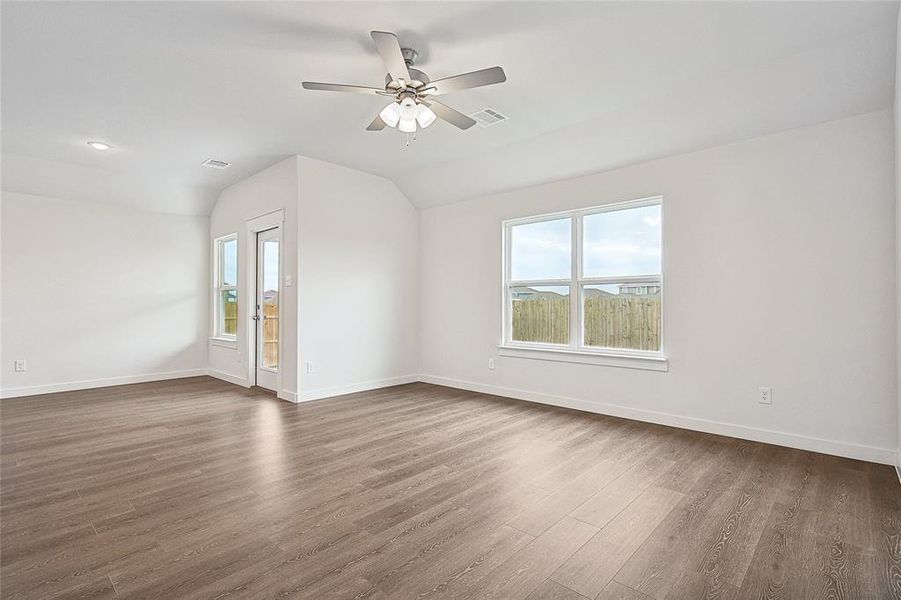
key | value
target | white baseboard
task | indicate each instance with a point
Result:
(287, 395)
(867, 453)
(845, 449)
(87, 384)
(340, 390)
(242, 381)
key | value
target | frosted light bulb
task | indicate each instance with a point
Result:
(391, 114)
(408, 109)
(424, 116)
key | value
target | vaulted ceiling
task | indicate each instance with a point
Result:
(591, 86)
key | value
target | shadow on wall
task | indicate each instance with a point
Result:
(130, 328)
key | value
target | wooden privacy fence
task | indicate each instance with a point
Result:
(270, 335)
(270, 329)
(230, 323)
(615, 322)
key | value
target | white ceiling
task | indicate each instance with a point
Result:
(590, 86)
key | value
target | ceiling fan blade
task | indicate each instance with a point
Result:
(454, 117)
(342, 87)
(466, 81)
(389, 49)
(377, 124)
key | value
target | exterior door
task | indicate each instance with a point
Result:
(267, 309)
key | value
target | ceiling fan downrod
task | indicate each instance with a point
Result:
(410, 55)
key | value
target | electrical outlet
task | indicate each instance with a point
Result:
(21, 366)
(311, 368)
(490, 364)
(765, 395)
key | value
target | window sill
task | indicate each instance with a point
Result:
(224, 342)
(649, 362)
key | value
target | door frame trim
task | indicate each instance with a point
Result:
(270, 220)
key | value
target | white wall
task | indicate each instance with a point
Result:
(779, 271)
(97, 295)
(275, 188)
(897, 119)
(358, 281)
(350, 243)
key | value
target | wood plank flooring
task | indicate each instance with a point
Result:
(199, 489)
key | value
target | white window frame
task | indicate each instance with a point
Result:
(219, 287)
(576, 350)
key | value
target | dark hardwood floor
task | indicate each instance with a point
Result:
(199, 489)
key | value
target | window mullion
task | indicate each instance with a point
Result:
(218, 309)
(507, 312)
(534, 282)
(621, 279)
(575, 292)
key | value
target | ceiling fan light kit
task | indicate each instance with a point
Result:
(407, 122)
(424, 116)
(390, 115)
(413, 92)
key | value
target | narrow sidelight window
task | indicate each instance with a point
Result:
(225, 278)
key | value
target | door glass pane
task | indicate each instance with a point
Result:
(229, 261)
(228, 309)
(541, 314)
(270, 304)
(622, 242)
(622, 315)
(541, 250)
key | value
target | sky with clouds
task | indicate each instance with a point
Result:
(270, 260)
(616, 243)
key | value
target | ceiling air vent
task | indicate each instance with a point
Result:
(488, 117)
(215, 164)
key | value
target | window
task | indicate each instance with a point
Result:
(225, 304)
(587, 281)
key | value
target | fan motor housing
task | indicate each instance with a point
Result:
(410, 55)
(418, 79)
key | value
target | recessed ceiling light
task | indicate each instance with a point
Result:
(99, 145)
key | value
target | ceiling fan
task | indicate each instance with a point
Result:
(412, 91)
